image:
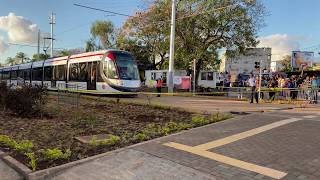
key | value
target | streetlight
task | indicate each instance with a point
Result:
(171, 58)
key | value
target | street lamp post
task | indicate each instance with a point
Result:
(194, 77)
(260, 77)
(171, 58)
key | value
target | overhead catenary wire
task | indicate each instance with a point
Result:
(97, 9)
(179, 18)
(26, 45)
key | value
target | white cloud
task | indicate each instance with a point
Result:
(281, 44)
(19, 29)
(3, 46)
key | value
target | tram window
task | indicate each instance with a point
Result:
(153, 76)
(210, 76)
(13, 75)
(59, 72)
(37, 74)
(26, 74)
(48, 73)
(6, 75)
(83, 72)
(74, 72)
(20, 74)
(203, 76)
(110, 70)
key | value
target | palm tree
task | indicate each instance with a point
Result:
(11, 61)
(92, 46)
(21, 56)
(105, 31)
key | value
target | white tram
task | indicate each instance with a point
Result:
(101, 72)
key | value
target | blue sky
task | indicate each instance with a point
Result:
(291, 24)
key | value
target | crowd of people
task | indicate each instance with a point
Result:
(287, 87)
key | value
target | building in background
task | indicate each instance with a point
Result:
(276, 66)
(245, 63)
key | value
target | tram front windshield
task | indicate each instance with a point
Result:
(124, 64)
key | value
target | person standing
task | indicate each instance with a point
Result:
(314, 87)
(272, 85)
(252, 85)
(159, 86)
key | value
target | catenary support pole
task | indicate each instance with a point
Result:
(38, 50)
(172, 38)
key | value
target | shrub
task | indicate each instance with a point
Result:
(110, 141)
(3, 93)
(151, 130)
(26, 101)
(93, 141)
(55, 154)
(7, 141)
(199, 120)
(32, 160)
(140, 137)
(24, 146)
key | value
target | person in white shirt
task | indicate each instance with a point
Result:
(252, 84)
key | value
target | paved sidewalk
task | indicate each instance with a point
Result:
(7, 173)
(275, 145)
(206, 104)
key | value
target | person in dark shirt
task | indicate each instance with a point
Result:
(272, 84)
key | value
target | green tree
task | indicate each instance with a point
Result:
(64, 53)
(21, 57)
(105, 32)
(149, 29)
(202, 29)
(40, 57)
(11, 61)
(286, 63)
(91, 45)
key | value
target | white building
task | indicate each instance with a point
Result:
(276, 66)
(245, 63)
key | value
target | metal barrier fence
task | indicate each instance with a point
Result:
(290, 94)
(69, 93)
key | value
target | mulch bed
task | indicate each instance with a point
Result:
(65, 122)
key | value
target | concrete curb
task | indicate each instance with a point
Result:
(2, 153)
(16, 165)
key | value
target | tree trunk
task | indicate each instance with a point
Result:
(198, 68)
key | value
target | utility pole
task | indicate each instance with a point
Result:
(172, 37)
(52, 21)
(38, 50)
(260, 77)
(194, 77)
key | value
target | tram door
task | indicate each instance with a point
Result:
(91, 81)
